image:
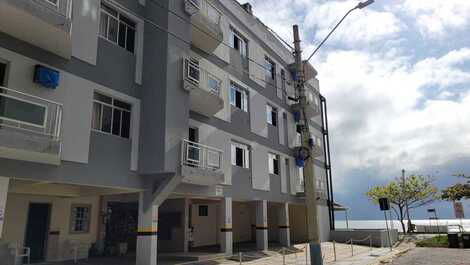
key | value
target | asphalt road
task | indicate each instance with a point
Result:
(434, 256)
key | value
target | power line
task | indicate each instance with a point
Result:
(189, 43)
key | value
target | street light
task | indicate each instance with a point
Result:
(311, 200)
(360, 5)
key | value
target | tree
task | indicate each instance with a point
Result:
(458, 191)
(416, 191)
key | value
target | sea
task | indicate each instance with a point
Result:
(381, 224)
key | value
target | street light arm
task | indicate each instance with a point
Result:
(331, 32)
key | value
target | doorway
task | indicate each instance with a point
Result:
(37, 230)
(194, 150)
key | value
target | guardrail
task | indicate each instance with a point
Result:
(201, 77)
(29, 113)
(201, 156)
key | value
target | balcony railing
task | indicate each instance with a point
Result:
(28, 113)
(200, 77)
(201, 156)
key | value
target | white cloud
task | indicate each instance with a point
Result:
(374, 119)
(362, 26)
(435, 18)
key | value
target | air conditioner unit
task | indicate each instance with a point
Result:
(192, 6)
(192, 70)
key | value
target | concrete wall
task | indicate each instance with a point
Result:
(379, 237)
(206, 230)
(59, 247)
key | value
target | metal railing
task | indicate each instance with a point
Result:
(201, 77)
(201, 156)
(28, 113)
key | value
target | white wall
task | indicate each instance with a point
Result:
(16, 219)
(205, 227)
(86, 19)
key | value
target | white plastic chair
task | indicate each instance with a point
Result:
(21, 252)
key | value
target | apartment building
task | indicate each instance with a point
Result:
(142, 127)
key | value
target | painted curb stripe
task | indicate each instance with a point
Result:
(261, 228)
(284, 227)
(225, 230)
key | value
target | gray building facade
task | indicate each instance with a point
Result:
(146, 127)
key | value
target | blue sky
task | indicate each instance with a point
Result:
(397, 81)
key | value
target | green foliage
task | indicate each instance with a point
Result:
(456, 192)
(434, 242)
(414, 191)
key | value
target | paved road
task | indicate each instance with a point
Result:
(434, 256)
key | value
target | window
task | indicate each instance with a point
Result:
(270, 69)
(80, 219)
(214, 84)
(283, 80)
(111, 115)
(273, 161)
(238, 42)
(240, 155)
(203, 210)
(271, 115)
(238, 97)
(117, 28)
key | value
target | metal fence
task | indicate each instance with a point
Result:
(298, 255)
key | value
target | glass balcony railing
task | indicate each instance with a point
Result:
(201, 156)
(30, 127)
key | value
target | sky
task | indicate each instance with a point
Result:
(396, 76)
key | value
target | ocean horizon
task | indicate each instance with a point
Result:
(395, 224)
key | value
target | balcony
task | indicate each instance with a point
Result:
(201, 164)
(207, 33)
(313, 108)
(44, 23)
(204, 89)
(30, 127)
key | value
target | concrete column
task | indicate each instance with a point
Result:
(186, 225)
(284, 225)
(4, 182)
(147, 231)
(262, 225)
(226, 236)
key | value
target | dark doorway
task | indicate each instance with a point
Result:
(121, 226)
(37, 230)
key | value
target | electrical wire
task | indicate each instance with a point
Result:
(152, 23)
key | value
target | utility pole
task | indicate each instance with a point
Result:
(406, 202)
(309, 174)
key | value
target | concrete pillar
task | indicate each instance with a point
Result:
(226, 234)
(147, 231)
(284, 225)
(186, 224)
(4, 182)
(262, 225)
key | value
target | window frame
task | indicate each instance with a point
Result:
(272, 115)
(234, 88)
(113, 107)
(246, 154)
(73, 219)
(243, 42)
(270, 67)
(274, 163)
(205, 210)
(118, 19)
